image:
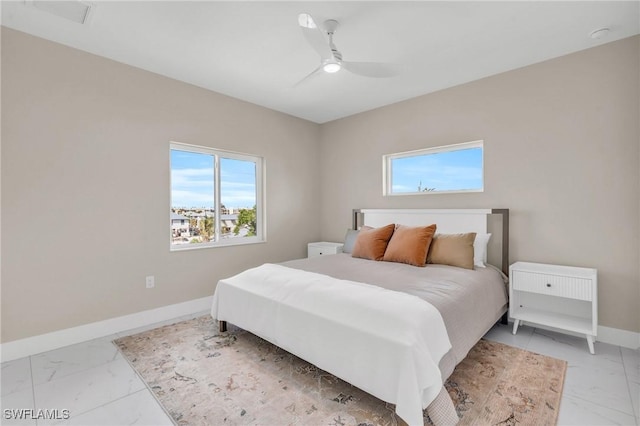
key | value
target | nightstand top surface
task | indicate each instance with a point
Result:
(326, 244)
(543, 268)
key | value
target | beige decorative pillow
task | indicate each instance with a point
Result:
(410, 244)
(372, 242)
(453, 250)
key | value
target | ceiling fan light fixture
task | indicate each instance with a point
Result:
(332, 67)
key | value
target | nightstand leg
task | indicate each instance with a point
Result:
(515, 325)
(590, 343)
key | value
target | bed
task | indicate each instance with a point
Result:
(351, 316)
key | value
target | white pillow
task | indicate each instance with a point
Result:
(480, 250)
(350, 240)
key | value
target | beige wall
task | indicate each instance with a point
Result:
(85, 186)
(561, 151)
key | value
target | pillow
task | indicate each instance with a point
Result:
(350, 240)
(453, 250)
(410, 245)
(480, 250)
(372, 242)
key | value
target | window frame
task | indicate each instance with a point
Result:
(261, 231)
(387, 168)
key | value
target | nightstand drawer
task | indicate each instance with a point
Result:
(553, 285)
(314, 251)
(323, 248)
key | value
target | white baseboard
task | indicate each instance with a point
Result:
(69, 336)
(615, 336)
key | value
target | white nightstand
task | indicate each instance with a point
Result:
(562, 297)
(322, 248)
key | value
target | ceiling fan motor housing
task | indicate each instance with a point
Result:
(330, 26)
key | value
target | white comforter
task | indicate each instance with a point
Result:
(385, 342)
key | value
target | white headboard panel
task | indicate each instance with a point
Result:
(449, 221)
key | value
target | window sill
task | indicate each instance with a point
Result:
(456, 191)
(223, 243)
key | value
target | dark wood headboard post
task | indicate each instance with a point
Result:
(505, 239)
(505, 250)
(354, 219)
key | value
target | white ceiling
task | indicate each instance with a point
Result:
(255, 51)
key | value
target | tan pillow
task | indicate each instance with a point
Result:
(410, 244)
(452, 249)
(372, 242)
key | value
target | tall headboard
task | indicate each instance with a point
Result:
(449, 221)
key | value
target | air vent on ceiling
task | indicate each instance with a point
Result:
(76, 11)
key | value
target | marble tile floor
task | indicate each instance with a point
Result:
(98, 387)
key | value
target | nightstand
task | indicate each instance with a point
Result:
(323, 248)
(562, 297)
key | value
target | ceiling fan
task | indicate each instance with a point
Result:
(331, 58)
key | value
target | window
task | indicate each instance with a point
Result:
(216, 197)
(452, 168)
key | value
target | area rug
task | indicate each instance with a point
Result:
(204, 377)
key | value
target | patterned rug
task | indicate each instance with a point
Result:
(203, 377)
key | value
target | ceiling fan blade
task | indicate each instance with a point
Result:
(371, 69)
(309, 76)
(314, 36)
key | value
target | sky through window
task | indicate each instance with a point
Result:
(192, 181)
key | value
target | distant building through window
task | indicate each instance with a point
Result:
(451, 168)
(216, 197)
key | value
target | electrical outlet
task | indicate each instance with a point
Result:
(150, 281)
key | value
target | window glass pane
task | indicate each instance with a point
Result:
(238, 197)
(192, 197)
(443, 170)
(215, 197)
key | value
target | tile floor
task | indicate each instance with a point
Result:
(98, 387)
